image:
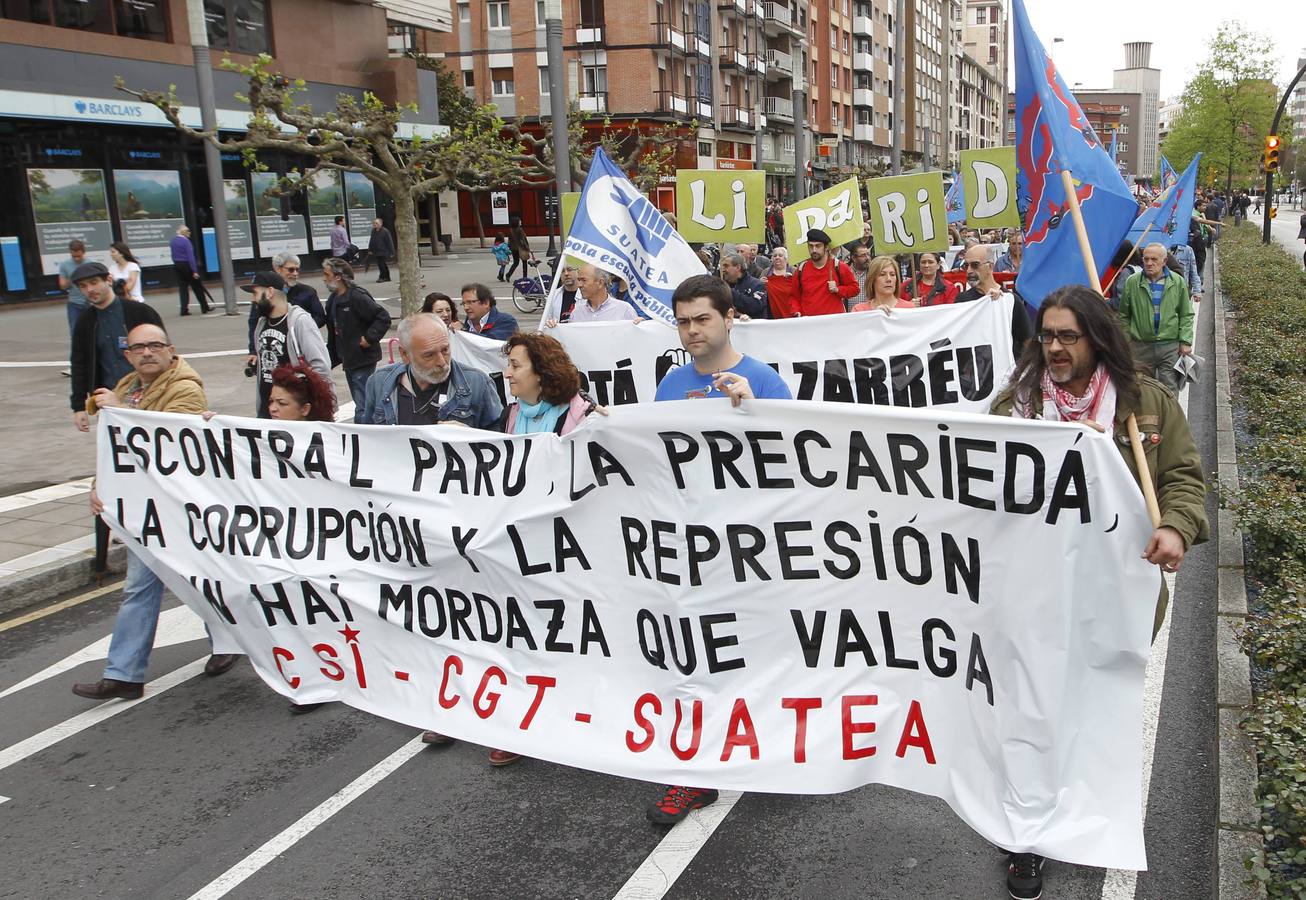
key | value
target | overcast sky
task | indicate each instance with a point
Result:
(1094, 34)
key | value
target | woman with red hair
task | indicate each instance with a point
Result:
(301, 395)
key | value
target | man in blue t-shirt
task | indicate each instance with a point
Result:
(705, 314)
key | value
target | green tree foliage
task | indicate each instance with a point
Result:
(1228, 107)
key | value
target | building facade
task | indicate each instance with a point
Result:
(1139, 78)
(1119, 113)
(83, 160)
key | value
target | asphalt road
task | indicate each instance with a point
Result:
(171, 794)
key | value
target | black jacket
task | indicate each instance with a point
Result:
(749, 297)
(381, 243)
(82, 359)
(1021, 327)
(356, 314)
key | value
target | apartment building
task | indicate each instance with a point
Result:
(64, 127)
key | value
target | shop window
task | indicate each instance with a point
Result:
(143, 19)
(238, 25)
(37, 11)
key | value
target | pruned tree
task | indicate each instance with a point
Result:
(1228, 107)
(362, 136)
(645, 154)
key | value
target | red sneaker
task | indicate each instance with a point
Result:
(677, 801)
(503, 758)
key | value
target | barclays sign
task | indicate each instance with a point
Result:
(114, 110)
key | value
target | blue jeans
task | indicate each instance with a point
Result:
(138, 617)
(357, 379)
(74, 310)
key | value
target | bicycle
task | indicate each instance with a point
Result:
(530, 293)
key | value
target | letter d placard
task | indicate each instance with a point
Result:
(989, 186)
(721, 207)
(907, 213)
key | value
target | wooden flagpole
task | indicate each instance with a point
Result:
(1116, 274)
(1090, 267)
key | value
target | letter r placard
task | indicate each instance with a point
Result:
(907, 213)
(721, 206)
(989, 186)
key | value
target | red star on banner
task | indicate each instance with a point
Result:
(350, 633)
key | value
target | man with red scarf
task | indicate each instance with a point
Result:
(1080, 369)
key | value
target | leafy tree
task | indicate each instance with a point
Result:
(1228, 108)
(362, 136)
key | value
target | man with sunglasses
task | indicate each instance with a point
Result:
(158, 379)
(981, 284)
(1081, 369)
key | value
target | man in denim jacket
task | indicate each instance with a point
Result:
(429, 387)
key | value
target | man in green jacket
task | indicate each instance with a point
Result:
(1080, 369)
(1157, 313)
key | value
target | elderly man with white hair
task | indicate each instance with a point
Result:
(1156, 312)
(429, 387)
(595, 288)
(188, 271)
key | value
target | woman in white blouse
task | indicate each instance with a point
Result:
(125, 266)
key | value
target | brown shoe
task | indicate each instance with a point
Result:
(219, 663)
(435, 738)
(110, 689)
(503, 758)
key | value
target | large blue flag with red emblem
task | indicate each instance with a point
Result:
(1171, 211)
(1052, 135)
(1168, 175)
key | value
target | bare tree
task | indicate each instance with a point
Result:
(362, 136)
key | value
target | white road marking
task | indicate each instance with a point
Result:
(45, 495)
(1122, 884)
(63, 363)
(659, 871)
(176, 626)
(251, 864)
(82, 545)
(20, 751)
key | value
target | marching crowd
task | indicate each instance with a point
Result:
(1080, 358)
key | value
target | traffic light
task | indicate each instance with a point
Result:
(1272, 153)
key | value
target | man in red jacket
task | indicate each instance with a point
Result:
(823, 282)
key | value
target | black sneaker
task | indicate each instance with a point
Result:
(1025, 876)
(677, 801)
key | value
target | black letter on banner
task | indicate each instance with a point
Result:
(119, 450)
(904, 468)
(968, 568)
(391, 600)
(966, 473)
(725, 449)
(461, 540)
(836, 388)
(890, 657)
(635, 537)
(942, 662)
(801, 440)
(1070, 476)
(870, 376)
(978, 669)
(423, 459)
(354, 479)
(908, 380)
(696, 554)
(712, 643)
(646, 623)
(678, 456)
(852, 640)
(740, 554)
(810, 641)
(1015, 452)
(762, 459)
(789, 553)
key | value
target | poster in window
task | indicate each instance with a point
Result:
(326, 200)
(360, 197)
(69, 204)
(277, 233)
(499, 207)
(149, 212)
(235, 193)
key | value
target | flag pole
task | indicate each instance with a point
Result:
(1090, 267)
(1116, 274)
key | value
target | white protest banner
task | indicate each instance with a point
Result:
(788, 597)
(951, 357)
(618, 230)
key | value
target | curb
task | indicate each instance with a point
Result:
(44, 583)
(1238, 826)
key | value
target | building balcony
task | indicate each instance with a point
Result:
(593, 102)
(862, 26)
(863, 62)
(740, 6)
(733, 116)
(668, 37)
(779, 108)
(590, 35)
(734, 58)
(864, 132)
(703, 108)
(778, 16)
(863, 97)
(671, 102)
(779, 64)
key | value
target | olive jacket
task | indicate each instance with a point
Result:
(178, 390)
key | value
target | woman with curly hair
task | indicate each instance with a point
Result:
(301, 395)
(546, 385)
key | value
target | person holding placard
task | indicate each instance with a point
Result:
(929, 288)
(980, 281)
(883, 287)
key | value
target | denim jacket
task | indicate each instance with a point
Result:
(472, 398)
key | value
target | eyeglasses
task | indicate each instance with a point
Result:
(291, 268)
(152, 346)
(1065, 338)
(976, 264)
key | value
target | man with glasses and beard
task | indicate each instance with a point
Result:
(283, 335)
(980, 283)
(1081, 370)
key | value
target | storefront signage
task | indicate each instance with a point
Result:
(69, 204)
(326, 200)
(235, 193)
(275, 233)
(149, 212)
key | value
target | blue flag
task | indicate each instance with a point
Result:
(1054, 135)
(1169, 214)
(1168, 175)
(954, 202)
(619, 230)
(1114, 144)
